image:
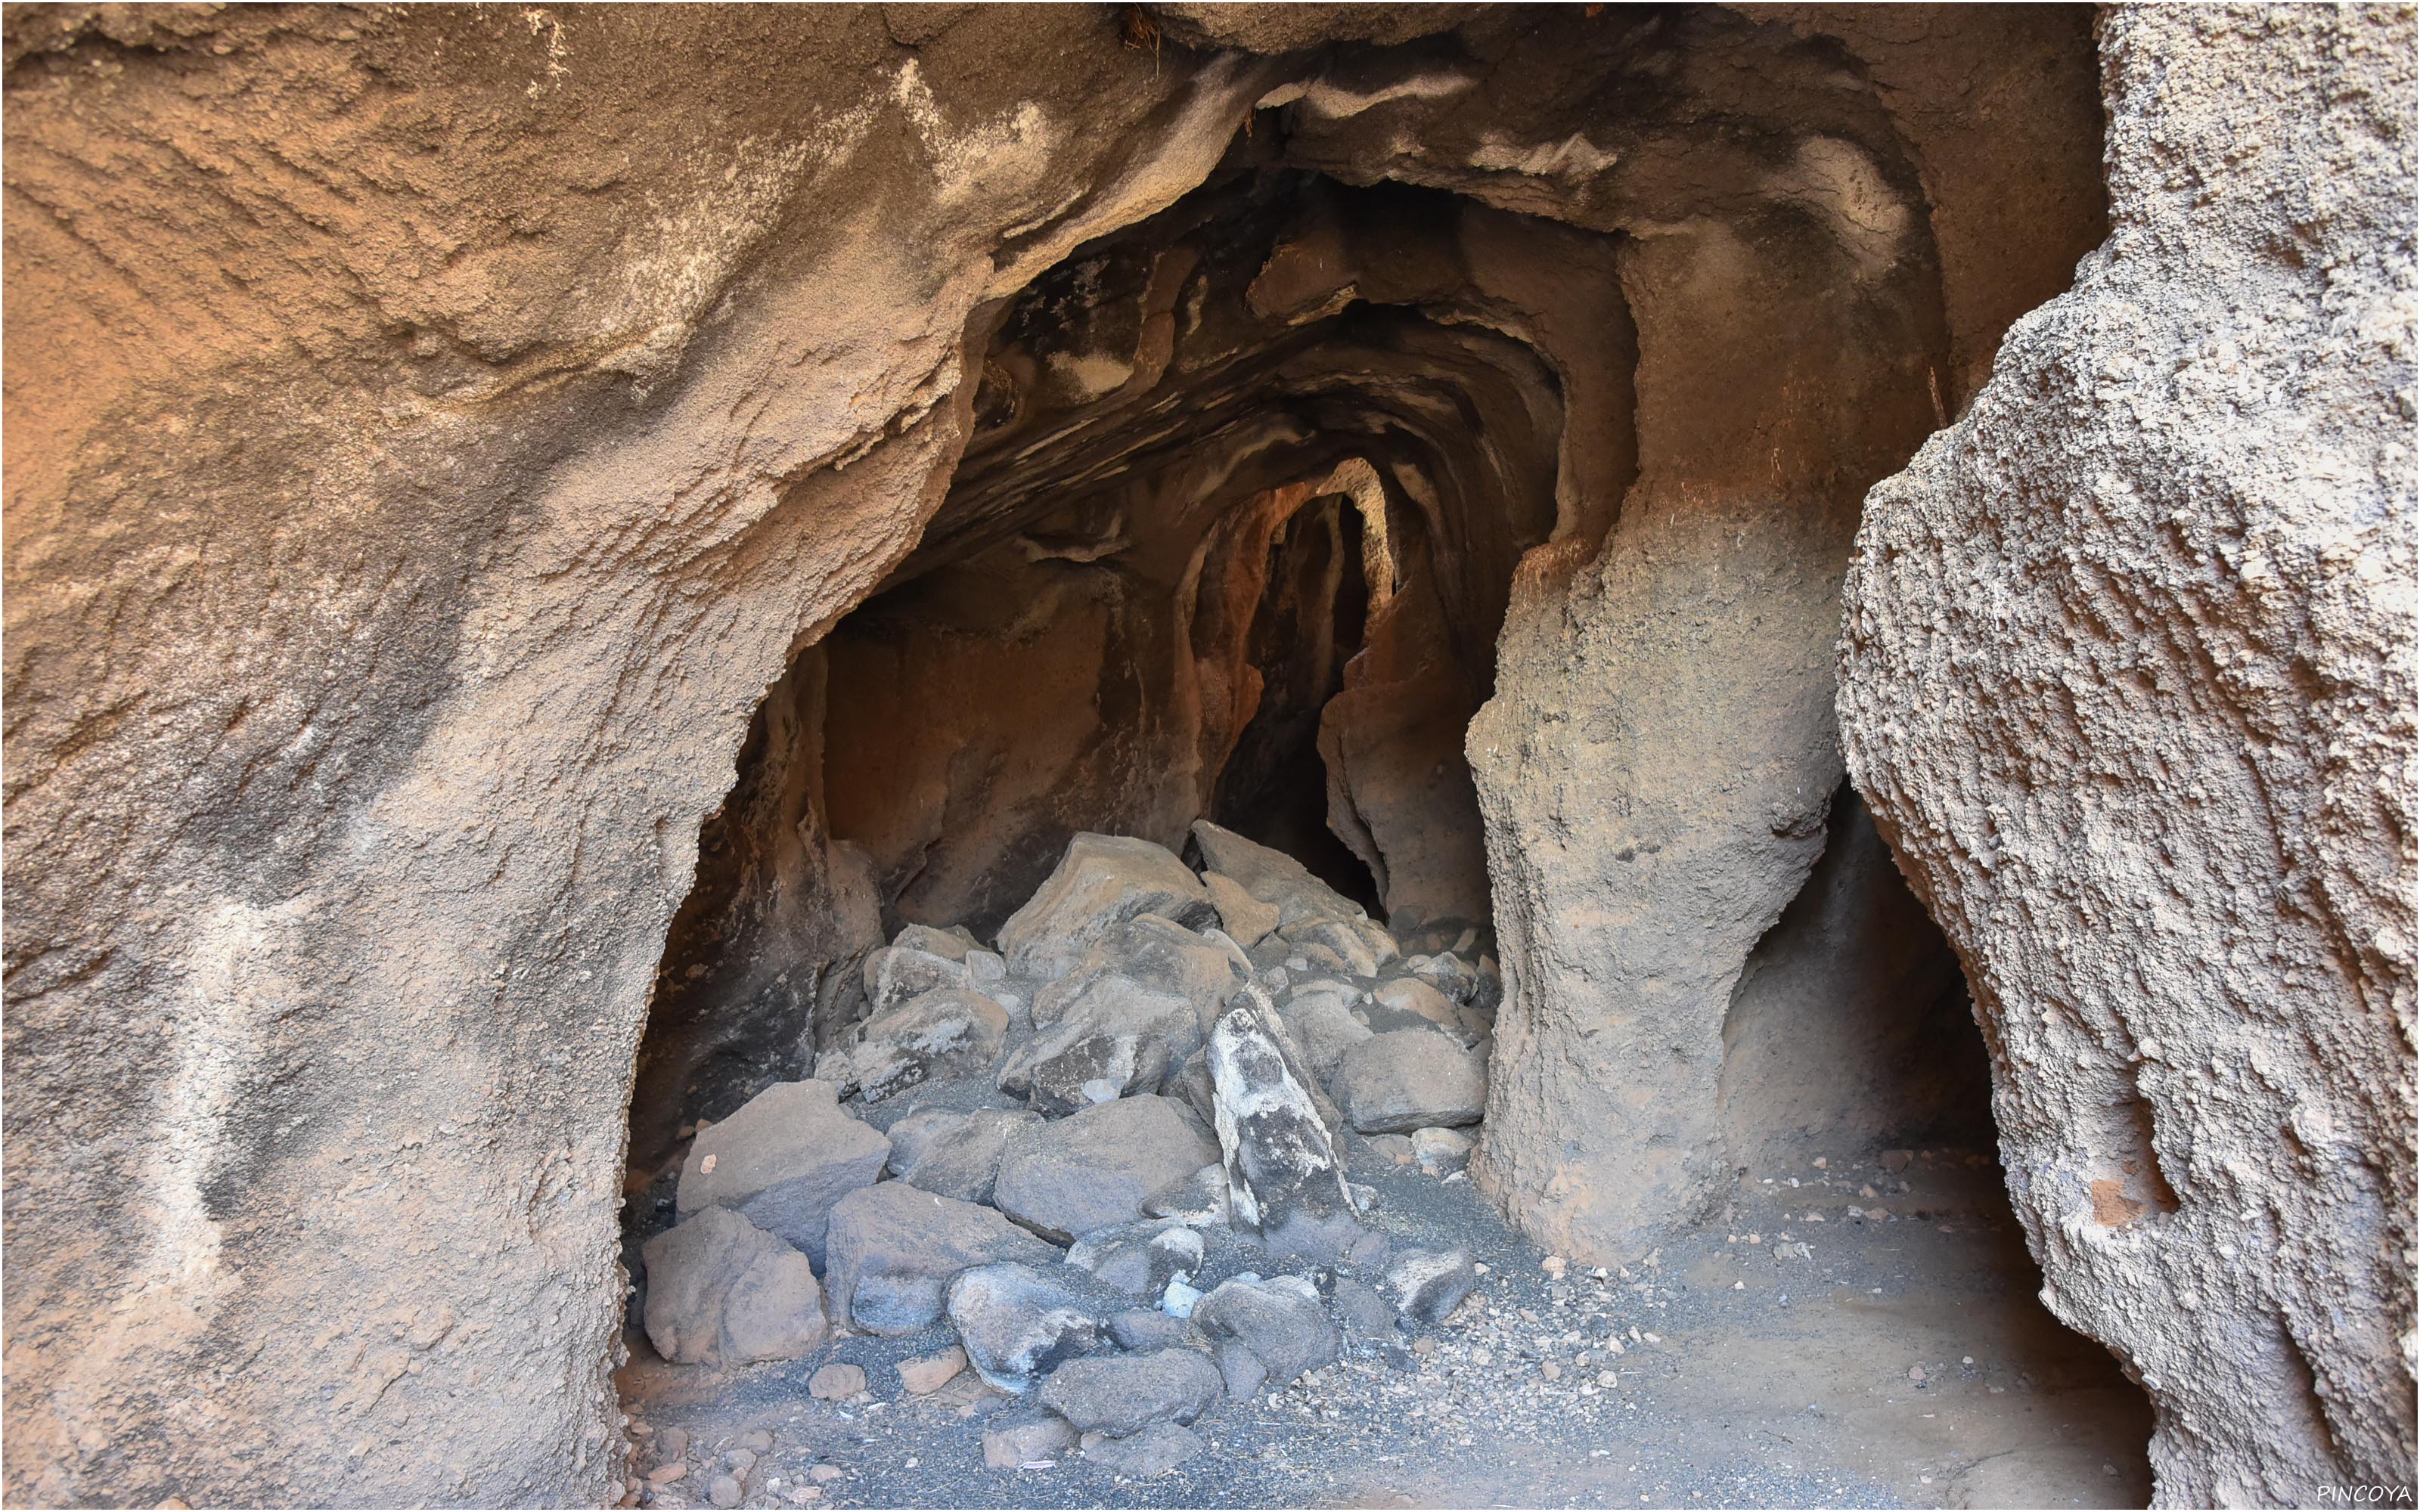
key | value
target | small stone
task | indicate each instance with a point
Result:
(1426, 1284)
(1154, 1452)
(758, 1440)
(929, 1373)
(1554, 1265)
(1915, 1373)
(1896, 1160)
(741, 1460)
(1424, 1346)
(1551, 1370)
(676, 1443)
(722, 1492)
(1025, 1436)
(836, 1382)
(666, 1475)
(1442, 1151)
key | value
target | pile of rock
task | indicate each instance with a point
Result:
(1084, 1149)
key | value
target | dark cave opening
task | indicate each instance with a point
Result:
(1310, 624)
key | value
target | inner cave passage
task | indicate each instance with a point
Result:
(1224, 569)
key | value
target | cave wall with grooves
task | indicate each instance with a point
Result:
(444, 443)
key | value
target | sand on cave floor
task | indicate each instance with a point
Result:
(1758, 1376)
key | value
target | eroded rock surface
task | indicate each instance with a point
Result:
(2128, 680)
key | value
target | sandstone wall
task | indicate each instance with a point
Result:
(2128, 679)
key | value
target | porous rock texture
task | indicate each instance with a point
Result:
(2128, 678)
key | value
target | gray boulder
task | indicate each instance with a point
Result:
(782, 1161)
(1279, 1321)
(954, 944)
(1147, 1328)
(1099, 1166)
(1271, 876)
(894, 1247)
(1411, 995)
(897, 973)
(1441, 1151)
(1156, 1450)
(1319, 1014)
(1189, 1084)
(1241, 1370)
(1139, 1258)
(1367, 1317)
(1448, 973)
(1155, 956)
(955, 1154)
(942, 1033)
(1017, 1322)
(1284, 1180)
(1245, 918)
(1198, 1200)
(1410, 1079)
(1073, 1066)
(722, 1291)
(1124, 1393)
(1426, 1284)
(1025, 1436)
(1137, 1004)
(1324, 940)
(1101, 881)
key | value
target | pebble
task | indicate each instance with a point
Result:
(676, 1443)
(822, 1474)
(723, 1490)
(740, 1461)
(1915, 1373)
(836, 1382)
(929, 1374)
(758, 1440)
(1554, 1265)
(666, 1475)
(1424, 1346)
(1551, 1370)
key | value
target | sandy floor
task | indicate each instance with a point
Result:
(1757, 1375)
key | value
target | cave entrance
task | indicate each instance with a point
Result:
(1310, 624)
(1233, 540)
